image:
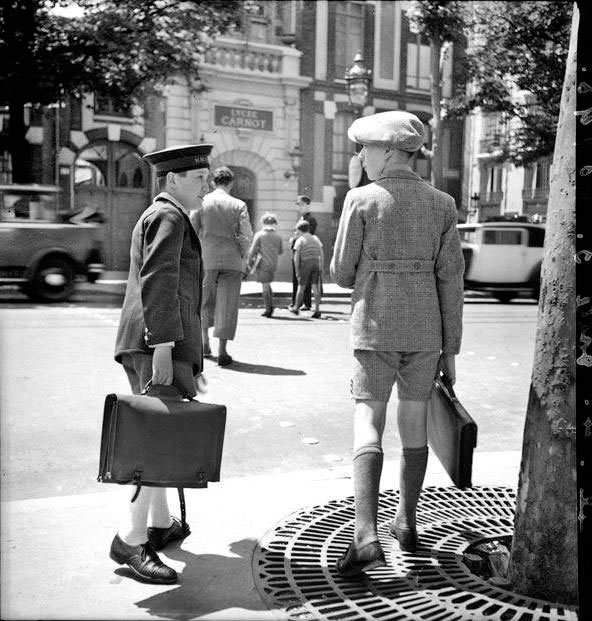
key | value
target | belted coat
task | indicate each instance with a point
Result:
(398, 247)
(164, 287)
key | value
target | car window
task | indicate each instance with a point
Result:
(536, 238)
(468, 235)
(512, 237)
(28, 207)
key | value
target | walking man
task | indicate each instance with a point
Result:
(398, 247)
(159, 335)
(303, 204)
(224, 229)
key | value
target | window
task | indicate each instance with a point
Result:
(468, 235)
(343, 147)
(512, 237)
(387, 45)
(536, 238)
(349, 34)
(418, 64)
(108, 106)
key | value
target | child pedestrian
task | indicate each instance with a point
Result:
(308, 262)
(263, 257)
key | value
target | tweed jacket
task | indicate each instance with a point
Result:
(398, 247)
(164, 288)
(223, 226)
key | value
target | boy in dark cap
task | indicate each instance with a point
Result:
(397, 246)
(159, 336)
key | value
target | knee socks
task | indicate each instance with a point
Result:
(159, 515)
(413, 467)
(133, 528)
(367, 468)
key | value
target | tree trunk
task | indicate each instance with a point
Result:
(436, 96)
(19, 152)
(544, 556)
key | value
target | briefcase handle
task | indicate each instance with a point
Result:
(445, 381)
(164, 391)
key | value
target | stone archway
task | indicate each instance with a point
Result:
(255, 170)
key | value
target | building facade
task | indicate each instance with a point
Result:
(272, 99)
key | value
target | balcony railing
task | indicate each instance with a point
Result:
(243, 56)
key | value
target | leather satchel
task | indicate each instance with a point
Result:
(161, 438)
(452, 433)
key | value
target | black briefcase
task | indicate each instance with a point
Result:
(159, 438)
(452, 433)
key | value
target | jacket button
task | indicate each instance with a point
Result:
(417, 265)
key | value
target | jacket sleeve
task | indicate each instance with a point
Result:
(348, 244)
(449, 269)
(159, 276)
(245, 232)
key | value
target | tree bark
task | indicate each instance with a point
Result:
(544, 552)
(436, 97)
(19, 152)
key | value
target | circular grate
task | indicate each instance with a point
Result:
(293, 564)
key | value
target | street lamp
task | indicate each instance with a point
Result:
(296, 156)
(357, 83)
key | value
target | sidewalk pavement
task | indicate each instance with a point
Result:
(114, 283)
(55, 562)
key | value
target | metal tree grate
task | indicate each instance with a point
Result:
(293, 565)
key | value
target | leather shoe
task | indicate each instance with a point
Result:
(407, 537)
(353, 562)
(293, 310)
(159, 538)
(143, 561)
(207, 352)
(224, 360)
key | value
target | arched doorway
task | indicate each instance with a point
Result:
(245, 188)
(112, 178)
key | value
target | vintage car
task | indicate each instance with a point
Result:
(503, 257)
(43, 250)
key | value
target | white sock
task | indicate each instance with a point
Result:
(133, 528)
(159, 515)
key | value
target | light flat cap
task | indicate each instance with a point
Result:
(180, 159)
(398, 128)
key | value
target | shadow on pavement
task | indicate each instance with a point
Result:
(209, 583)
(261, 369)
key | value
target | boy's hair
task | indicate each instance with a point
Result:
(223, 176)
(304, 199)
(268, 218)
(161, 180)
(303, 226)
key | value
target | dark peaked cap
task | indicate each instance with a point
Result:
(180, 159)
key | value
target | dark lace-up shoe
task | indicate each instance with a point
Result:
(143, 561)
(353, 562)
(159, 538)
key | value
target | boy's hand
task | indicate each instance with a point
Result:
(162, 365)
(201, 383)
(447, 364)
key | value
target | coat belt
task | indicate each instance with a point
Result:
(401, 265)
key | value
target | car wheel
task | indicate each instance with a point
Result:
(53, 280)
(505, 296)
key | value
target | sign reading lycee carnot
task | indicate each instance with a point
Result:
(244, 118)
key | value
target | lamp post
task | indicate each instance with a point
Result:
(296, 156)
(357, 87)
(357, 83)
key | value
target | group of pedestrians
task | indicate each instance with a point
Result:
(397, 247)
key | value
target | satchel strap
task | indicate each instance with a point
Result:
(182, 505)
(445, 380)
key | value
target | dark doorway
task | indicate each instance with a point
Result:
(245, 188)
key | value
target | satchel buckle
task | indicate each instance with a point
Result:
(201, 476)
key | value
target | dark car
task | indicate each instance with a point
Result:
(43, 251)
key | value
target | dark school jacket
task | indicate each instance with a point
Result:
(164, 288)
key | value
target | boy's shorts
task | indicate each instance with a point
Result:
(375, 373)
(308, 273)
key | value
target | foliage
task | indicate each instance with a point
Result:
(515, 65)
(124, 49)
(444, 20)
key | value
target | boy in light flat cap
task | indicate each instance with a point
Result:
(398, 247)
(159, 336)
